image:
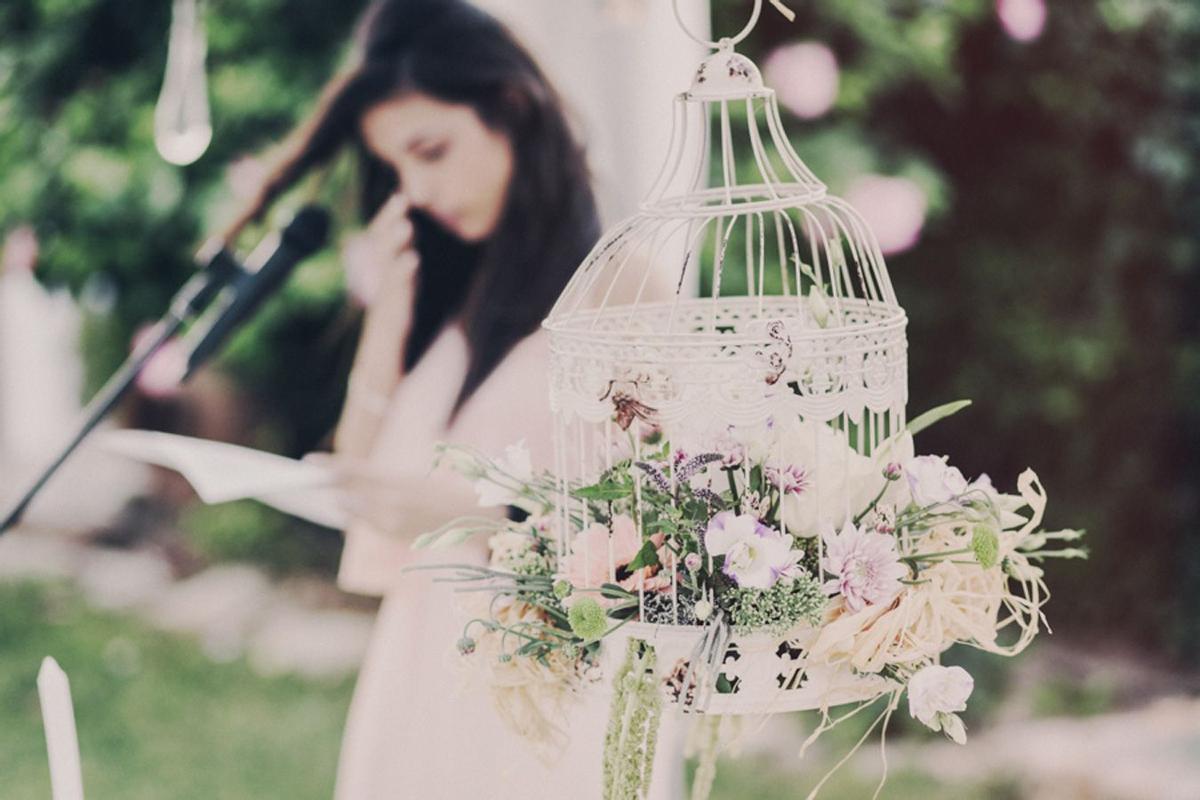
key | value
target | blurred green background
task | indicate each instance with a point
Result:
(1054, 282)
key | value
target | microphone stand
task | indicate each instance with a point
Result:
(192, 298)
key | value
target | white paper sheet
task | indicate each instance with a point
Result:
(221, 472)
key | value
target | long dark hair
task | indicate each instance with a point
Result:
(452, 51)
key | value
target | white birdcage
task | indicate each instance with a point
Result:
(795, 345)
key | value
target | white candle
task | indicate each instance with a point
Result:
(62, 742)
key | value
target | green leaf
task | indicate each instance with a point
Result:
(616, 592)
(623, 612)
(756, 478)
(936, 415)
(663, 525)
(646, 557)
(530, 648)
(605, 491)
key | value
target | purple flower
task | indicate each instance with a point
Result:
(694, 465)
(789, 480)
(732, 452)
(655, 475)
(867, 566)
(756, 555)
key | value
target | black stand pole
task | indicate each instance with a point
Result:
(193, 298)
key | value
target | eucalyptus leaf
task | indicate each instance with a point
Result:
(933, 415)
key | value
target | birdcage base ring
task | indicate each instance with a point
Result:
(758, 673)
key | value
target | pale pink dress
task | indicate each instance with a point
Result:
(416, 728)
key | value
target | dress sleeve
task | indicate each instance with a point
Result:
(512, 404)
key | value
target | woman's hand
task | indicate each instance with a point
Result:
(387, 249)
(382, 261)
(393, 243)
(404, 505)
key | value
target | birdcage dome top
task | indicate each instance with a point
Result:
(726, 74)
(795, 298)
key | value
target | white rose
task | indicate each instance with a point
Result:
(842, 482)
(936, 692)
(932, 480)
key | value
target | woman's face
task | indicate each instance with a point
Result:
(449, 163)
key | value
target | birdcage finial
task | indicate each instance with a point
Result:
(729, 42)
(726, 42)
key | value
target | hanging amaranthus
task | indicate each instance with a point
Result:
(632, 725)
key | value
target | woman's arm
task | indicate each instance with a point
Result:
(406, 505)
(388, 246)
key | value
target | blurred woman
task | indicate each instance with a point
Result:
(480, 209)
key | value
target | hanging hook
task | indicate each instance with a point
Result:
(729, 42)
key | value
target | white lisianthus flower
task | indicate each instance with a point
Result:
(516, 469)
(936, 694)
(931, 480)
(953, 727)
(756, 555)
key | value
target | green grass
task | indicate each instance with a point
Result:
(156, 718)
(790, 778)
(757, 779)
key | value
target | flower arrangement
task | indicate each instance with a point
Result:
(870, 566)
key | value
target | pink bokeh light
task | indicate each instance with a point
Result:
(805, 77)
(245, 177)
(1023, 20)
(894, 208)
(161, 377)
(21, 250)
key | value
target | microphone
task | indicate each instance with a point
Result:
(217, 268)
(265, 270)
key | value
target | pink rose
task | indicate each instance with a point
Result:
(587, 566)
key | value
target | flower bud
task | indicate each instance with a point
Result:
(818, 306)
